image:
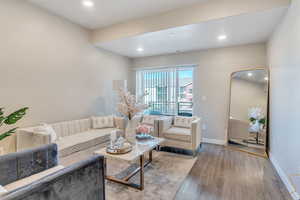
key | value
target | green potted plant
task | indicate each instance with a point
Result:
(9, 120)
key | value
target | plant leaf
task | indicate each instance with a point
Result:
(252, 119)
(8, 133)
(15, 116)
(1, 119)
(1, 111)
(262, 121)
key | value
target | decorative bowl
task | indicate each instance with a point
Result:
(144, 136)
(127, 147)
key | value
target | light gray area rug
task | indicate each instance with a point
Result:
(163, 176)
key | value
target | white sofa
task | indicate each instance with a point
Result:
(72, 136)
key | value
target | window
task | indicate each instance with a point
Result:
(169, 90)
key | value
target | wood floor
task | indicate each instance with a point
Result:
(221, 173)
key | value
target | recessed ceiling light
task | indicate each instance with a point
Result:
(88, 3)
(222, 37)
(140, 49)
(250, 74)
(266, 78)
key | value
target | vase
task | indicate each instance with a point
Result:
(130, 132)
(262, 127)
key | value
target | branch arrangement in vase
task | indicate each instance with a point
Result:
(257, 119)
(130, 105)
(11, 119)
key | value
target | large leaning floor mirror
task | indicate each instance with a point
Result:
(248, 122)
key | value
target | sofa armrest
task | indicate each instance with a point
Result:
(196, 133)
(164, 123)
(68, 183)
(155, 132)
(31, 179)
(27, 138)
(120, 123)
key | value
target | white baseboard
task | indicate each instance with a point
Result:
(284, 178)
(214, 141)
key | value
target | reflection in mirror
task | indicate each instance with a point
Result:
(248, 111)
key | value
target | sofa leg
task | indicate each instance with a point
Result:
(195, 153)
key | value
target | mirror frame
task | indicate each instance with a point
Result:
(266, 154)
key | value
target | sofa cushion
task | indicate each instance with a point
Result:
(184, 122)
(68, 128)
(103, 122)
(149, 119)
(28, 180)
(74, 143)
(177, 133)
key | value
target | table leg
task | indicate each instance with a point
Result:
(105, 166)
(142, 159)
(125, 180)
(150, 156)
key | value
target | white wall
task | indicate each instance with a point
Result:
(48, 64)
(284, 61)
(212, 80)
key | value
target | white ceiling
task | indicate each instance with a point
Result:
(108, 12)
(242, 29)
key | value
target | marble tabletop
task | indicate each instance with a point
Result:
(141, 147)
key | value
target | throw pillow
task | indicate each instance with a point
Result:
(46, 129)
(103, 122)
(184, 122)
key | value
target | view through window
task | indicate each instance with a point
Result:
(169, 90)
